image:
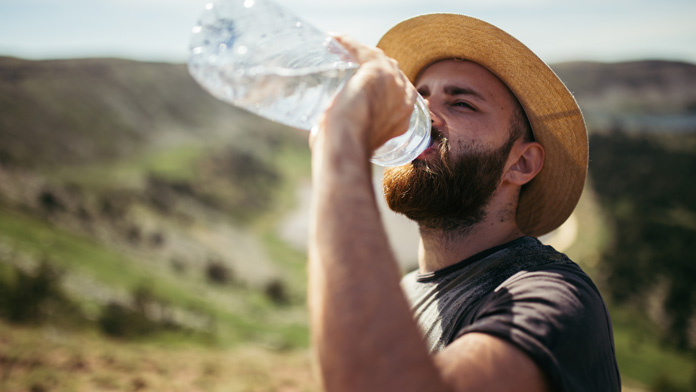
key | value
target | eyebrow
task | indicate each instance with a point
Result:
(453, 90)
(457, 90)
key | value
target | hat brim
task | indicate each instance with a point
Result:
(556, 121)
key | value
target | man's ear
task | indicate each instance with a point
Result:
(524, 162)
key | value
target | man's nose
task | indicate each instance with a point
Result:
(435, 119)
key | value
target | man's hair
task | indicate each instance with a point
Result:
(519, 124)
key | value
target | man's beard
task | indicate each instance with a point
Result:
(448, 194)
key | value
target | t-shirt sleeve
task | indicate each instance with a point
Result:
(559, 319)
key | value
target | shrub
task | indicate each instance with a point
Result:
(33, 297)
(134, 320)
(277, 291)
(219, 273)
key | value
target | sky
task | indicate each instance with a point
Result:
(159, 30)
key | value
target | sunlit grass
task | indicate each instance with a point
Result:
(174, 163)
(40, 240)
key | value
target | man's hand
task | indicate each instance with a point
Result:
(377, 101)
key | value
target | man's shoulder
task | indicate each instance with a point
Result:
(549, 273)
(532, 252)
(543, 265)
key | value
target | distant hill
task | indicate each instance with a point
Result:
(654, 87)
(660, 94)
(77, 111)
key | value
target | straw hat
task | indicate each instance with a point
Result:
(548, 200)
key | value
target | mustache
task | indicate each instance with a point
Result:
(444, 163)
(436, 136)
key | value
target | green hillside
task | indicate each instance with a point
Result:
(133, 182)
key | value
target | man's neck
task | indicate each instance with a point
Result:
(439, 248)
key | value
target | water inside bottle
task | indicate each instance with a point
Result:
(295, 97)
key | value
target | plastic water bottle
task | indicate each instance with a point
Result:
(258, 56)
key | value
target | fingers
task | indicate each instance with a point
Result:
(362, 53)
(379, 91)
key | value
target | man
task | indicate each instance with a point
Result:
(494, 309)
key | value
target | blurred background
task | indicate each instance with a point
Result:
(153, 238)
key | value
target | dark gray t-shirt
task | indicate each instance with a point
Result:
(529, 295)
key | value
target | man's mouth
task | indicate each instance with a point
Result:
(434, 146)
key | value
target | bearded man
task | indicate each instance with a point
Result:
(490, 308)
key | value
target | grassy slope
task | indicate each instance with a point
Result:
(260, 337)
(248, 331)
(98, 131)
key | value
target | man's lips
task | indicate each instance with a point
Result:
(433, 148)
